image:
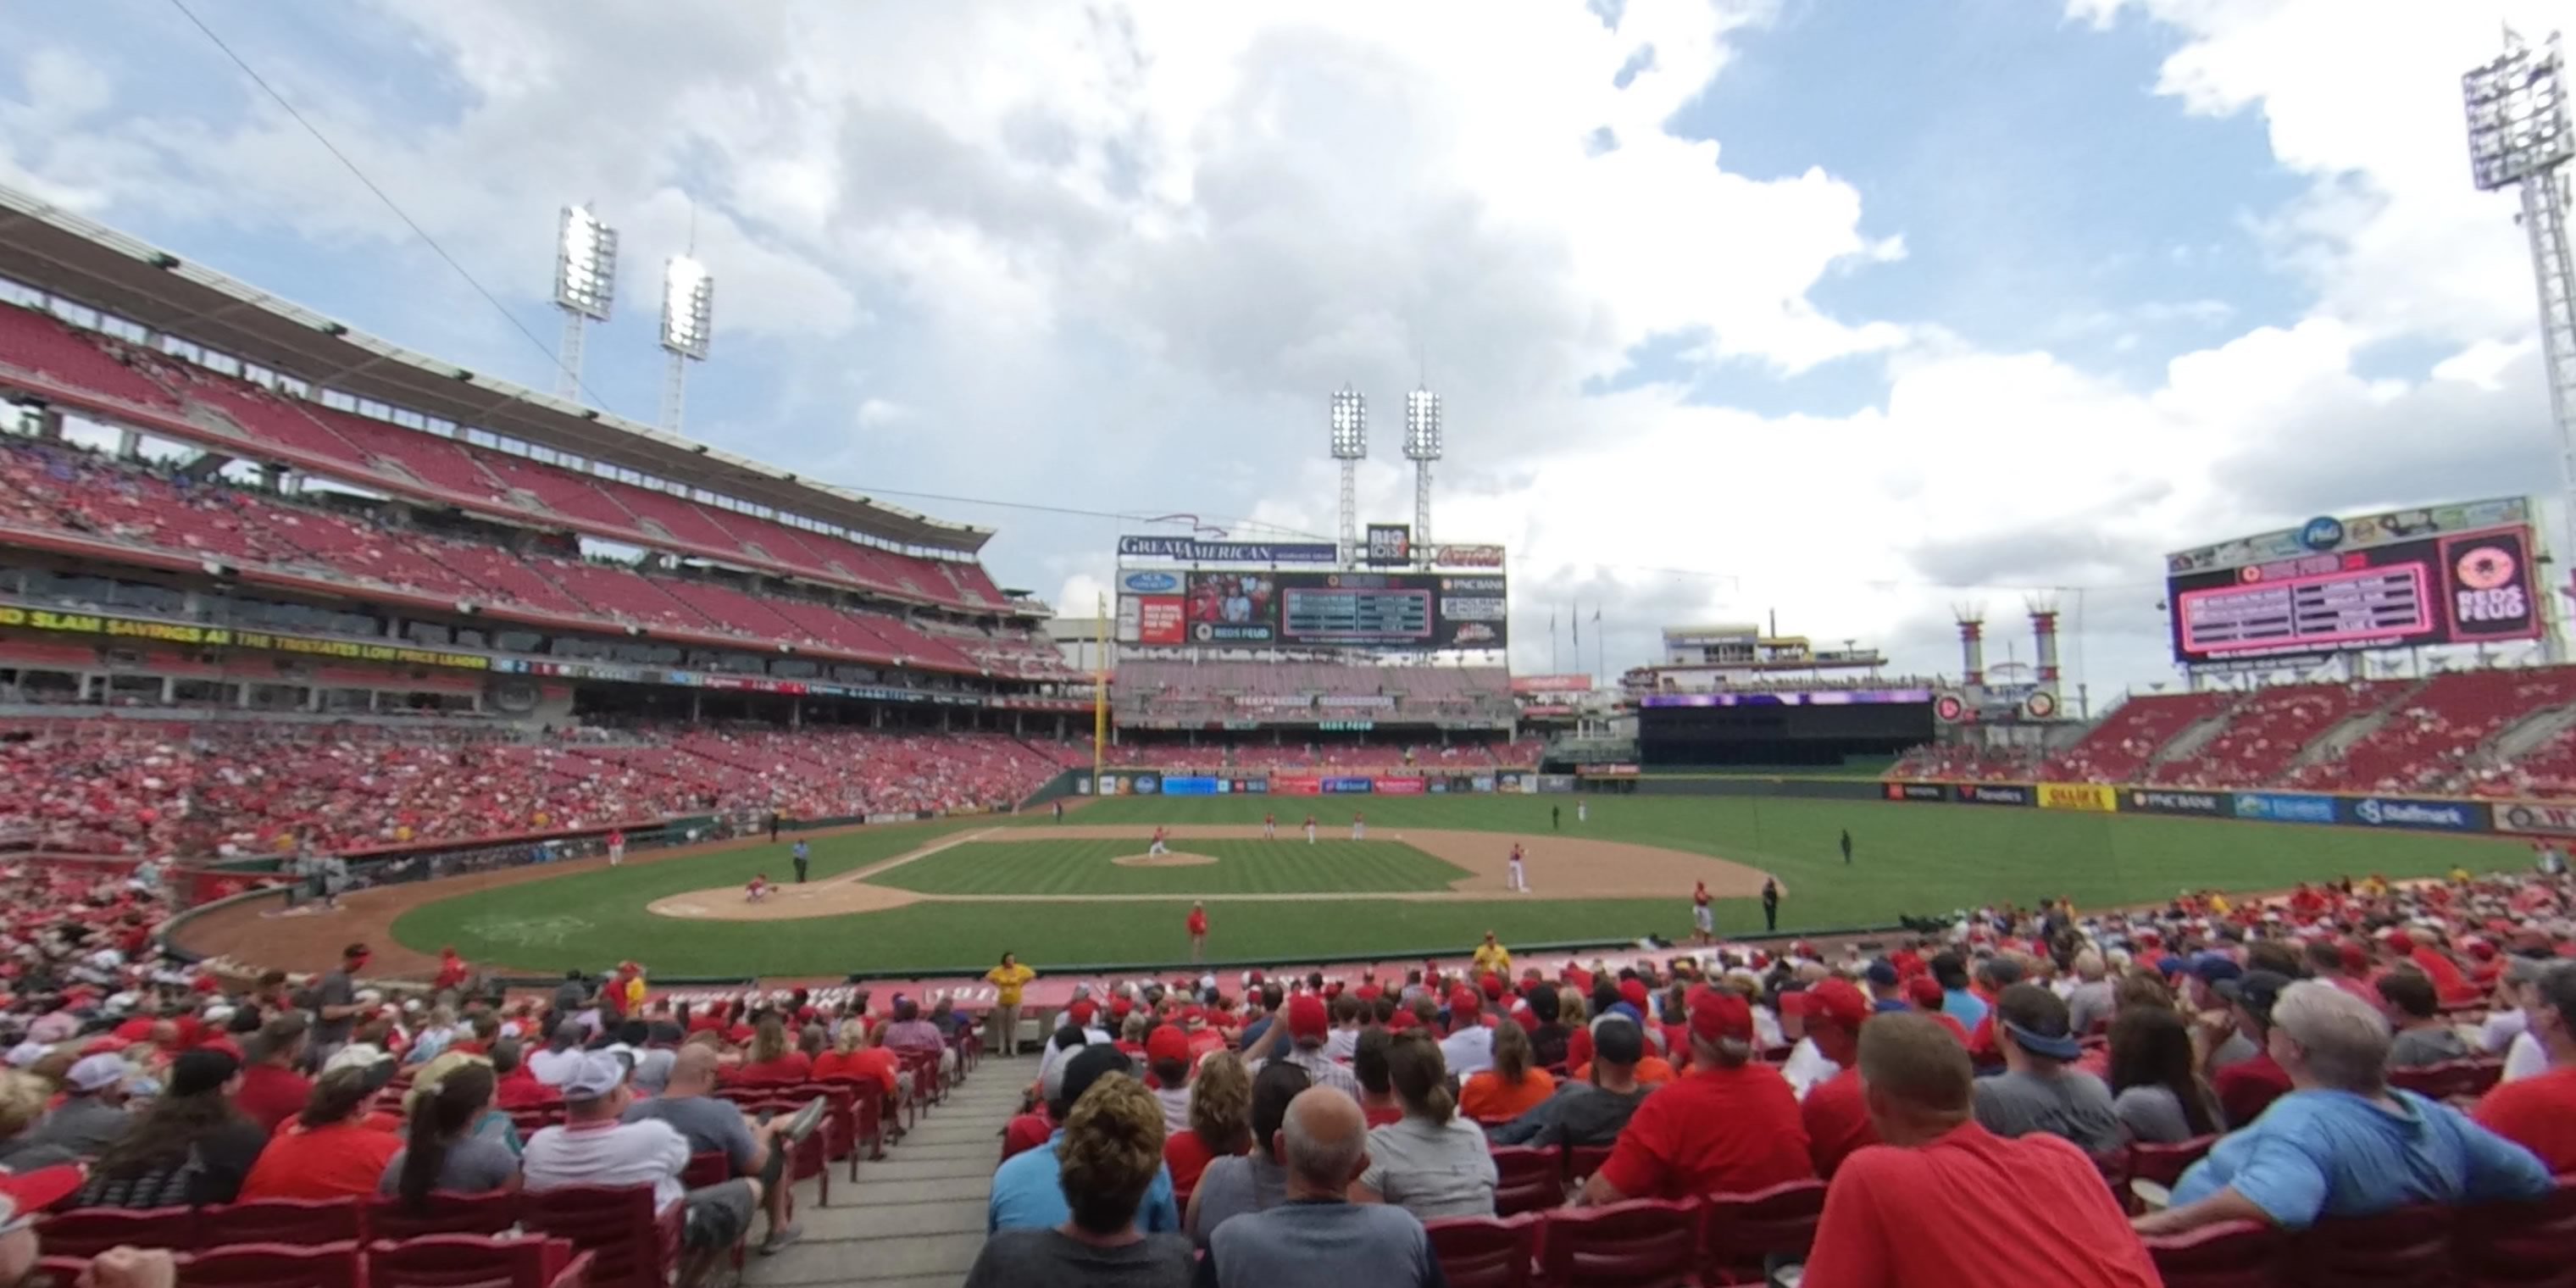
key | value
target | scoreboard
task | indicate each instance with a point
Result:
(1358, 608)
(1267, 608)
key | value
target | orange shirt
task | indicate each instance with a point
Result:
(1718, 1131)
(1652, 1071)
(1488, 1099)
(332, 1162)
(2537, 1113)
(1973, 1207)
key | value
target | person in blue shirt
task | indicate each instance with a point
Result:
(2343, 1143)
(1957, 1001)
(1028, 1191)
(802, 856)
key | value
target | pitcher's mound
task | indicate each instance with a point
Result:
(1175, 859)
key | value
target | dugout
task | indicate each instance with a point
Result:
(1790, 732)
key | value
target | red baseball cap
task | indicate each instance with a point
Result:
(1924, 991)
(1633, 992)
(1081, 1011)
(1717, 1014)
(1492, 984)
(1307, 1017)
(1838, 1001)
(28, 1194)
(1463, 1001)
(1119, 1007)
(1167, 1042)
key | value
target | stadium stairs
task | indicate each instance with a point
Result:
(915, 1219)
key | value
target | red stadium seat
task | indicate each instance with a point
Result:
(274, 1265)
(448, 1213)
(1740, 1233)
(476, 1261)
(2234, 1254)
(2407, 1248)
(2518, 1245)
(1642, 1243)
(2165, 1164)
(1527, 1180)
(1581, 1161)
(707, 1167)
(1485, 1251)
(2449, 1080)
(296, 1221)
(87, 1232)
(635, 1247)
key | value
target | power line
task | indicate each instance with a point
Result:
(552, 358)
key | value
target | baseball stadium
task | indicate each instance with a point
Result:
(355, 701)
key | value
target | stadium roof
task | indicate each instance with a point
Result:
(63, 254)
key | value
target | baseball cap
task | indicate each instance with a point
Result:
(94, 1073)
(597, 1074)
(1090, 1065)
(1463, 1002)
(1717, 1014)
(1839, 1001)
(1924, 991)
(1882, 973)
(1167, 1042)
(1633, 992)
(1307, 1017)
(24, 1196)
(26, 1053)
(2256, 991)
(2037, 1019)
(1492, 984)
(2213, 969)
(1081, 1012)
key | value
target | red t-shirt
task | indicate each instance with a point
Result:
(1718, 1131)
(1578, 1046)
(1027, 1132)
(2537, 1113)
(1198, 921)
(1973, 1207)
(2248, 1087)
(1837, 1121)
(521, 1090)
(324, 1163)
(270, 1095)
(1381, 1115)
(1187, 1156)
(791, 1067)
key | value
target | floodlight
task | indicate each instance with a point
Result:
(2517, 112)
(585, 264)
(688, 307)
(1422, 426)
(1350, 425)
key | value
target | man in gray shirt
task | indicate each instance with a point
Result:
(1319, 1238)
(2037, 1092)
(713, 1126)
(94, 1115)
(335, 1005)
(1592, 1113)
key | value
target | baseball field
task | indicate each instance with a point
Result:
(1431, 874)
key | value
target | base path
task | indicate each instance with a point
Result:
(1558, 866)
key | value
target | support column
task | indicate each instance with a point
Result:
(169, 690)
(129, 444)
(49, 424)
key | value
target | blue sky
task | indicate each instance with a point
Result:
(1869, 309)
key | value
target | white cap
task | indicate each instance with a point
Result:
(26, 1053)
(97, 1073)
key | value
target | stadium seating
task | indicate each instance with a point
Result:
(1960, 762)
(2426, 742)
(2263, 734)
(2120, 747)
(46, 347)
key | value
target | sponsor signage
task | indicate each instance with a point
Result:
(1151, 583)
(1551, 684)
(1296, 785)
(1993, 794)
(1255, 786)
(1232, 608)
(1344, 726)
(41, 619)
(1472, 609)
(1355, 700)
(1159, 620)
(2092, 797)
(2144, 800)
(1187, 550)
(2285, 807)
(2533, 816)
(1916, 792)
(1389, 545)
(1346, 786)
(1467, 556)
(1193, 785)
(1818, 698)
(1473, 585)
(2436, 816)
(1401, 787)
(1397, 610)
(1607, 771)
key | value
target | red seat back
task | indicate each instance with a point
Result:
(2232, 1254)
(448, 1213)
(711, 1167)
(2451, 1079)
(292, 1221)
(1642, 1243)
(1485, 1251)
(1740, 1232)
(636, 1247)
(273, 1265)
(2165, 1164)
(2407, 1248)
(1527, 1180)
(469, 1261)
(87, 1232)
(1581, 1161)
(2518, 1245)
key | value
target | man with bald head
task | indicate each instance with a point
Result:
(712, 1126)
(1318, 1238)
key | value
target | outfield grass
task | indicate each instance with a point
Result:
(1909, 859)
(1083, 866)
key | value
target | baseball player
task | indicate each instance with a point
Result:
(1516, 879)
(1270, 827)
(1359, 826)
(757, 890)
(1703, 917)
(1582, 811)
(1310, 829)
(1158, 847)
(616, 846)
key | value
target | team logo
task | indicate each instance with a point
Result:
(2324, 532)
(2486, 568)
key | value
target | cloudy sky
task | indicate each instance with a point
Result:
(1844, 309)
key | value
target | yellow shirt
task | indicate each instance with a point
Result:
(1008, 981)
(2459, 876)
(1494, 958)
(635, 995)
(2218, 904)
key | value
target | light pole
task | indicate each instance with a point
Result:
(585, 285)
(1422, 447)
(688, 322)
(1350, 447)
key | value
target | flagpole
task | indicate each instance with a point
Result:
(1553, 660)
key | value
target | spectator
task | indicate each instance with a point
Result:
(1431, 1162)
(1111, 1157)
(1730, 1126)
(2422, 1038)
(2037, 1092)
(441, 1150)
(23, 1097)
(1258, 1179)
(492, 1123)
(1469, 1048)
(273, 1090)
(595, 1147)
(189, 1146)
(1512, 1087)
(1548, 1036)
(1220, 1120)
(2342, 1143)
(2539, 1112)
(562, 1054)
(1958, 1001)
(329, 1152)
(1307, 1027)
(2249, 1086)
(1368, 1066)
(1028, 1189)
(1317, 1236)
(2157, 1093)
(93, 1114)
(1835, 1113)
(712, 1126)
(517, 1086)
(1008, 981)
(911, 1033)
(1589, 1112)
(1347, 1011)
(771, 1059)
(24, 1196)
(1944, 1201)
(2090, 1003)
(1167, 1057)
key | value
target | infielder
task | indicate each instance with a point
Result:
(1359, 826)
(1516, 878)
(1158, 847)
(1270, 827)
(1310, 829)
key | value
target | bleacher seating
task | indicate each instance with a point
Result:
(2426, 742)
(2264, 733)
(2120, 747)
(1961, 762)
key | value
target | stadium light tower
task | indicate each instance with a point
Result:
(1350, 447)
(688, 322)
(585, 283)
(2519, 135)
(1422, 447)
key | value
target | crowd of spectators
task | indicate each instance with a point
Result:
(1425, 757)
(244, 788)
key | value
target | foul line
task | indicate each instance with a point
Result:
(856, 875)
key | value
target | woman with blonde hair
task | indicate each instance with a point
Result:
(24, 1098)
(1109, 1155)
(1512, 1087)
(772, 1057)
(1220, 1121)
(1431, 1162)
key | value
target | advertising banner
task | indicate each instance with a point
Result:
(1467, 556)
(2285, 807)
(1389, 545)
(1556, 782)
(1608, 771)
(1401, 787)
(1513, 782)
(1232, 608)
(1551, 684)
(1917, 792)
(1147, 783)
(1296, 785)
(1111, 784)
(1482, 782)
(1152, 581)
(2533, 816)
(1341, 786)
(1249, 786)
(1176, 785)
(1993, 794)
(2431, 816)
(1186, 550)
(1158, 619)
(2092, 797)
(2380, 581)
(2148, 800)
